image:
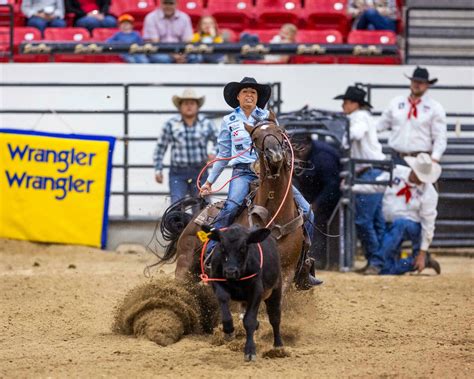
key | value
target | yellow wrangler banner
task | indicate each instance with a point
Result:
(55, 187)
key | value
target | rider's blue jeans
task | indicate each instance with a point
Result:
(239, 189)
(369, 221)
(400, 230)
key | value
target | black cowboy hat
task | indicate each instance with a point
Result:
(232, 89)
(421, 74)
(356, 94)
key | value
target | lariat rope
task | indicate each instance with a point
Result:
(204, 277)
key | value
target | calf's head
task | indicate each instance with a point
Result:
(233, 246)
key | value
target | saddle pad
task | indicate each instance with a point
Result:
(208, 214)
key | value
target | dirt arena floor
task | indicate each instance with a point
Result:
(57, 308)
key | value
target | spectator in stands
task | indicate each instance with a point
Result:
(41, 14)
(318, 181)
(91, 14)
(167, 24)
(409, 206)
(373, 14)
(287, 34)
(365, 145)
(417, 122)
(208, 32)
(128, 35)
(188, 134)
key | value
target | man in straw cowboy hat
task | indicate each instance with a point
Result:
(365, 145)
(417, 123)
(409, 206)
(188, 134)
(248, 99)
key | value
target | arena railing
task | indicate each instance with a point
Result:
(240, 49)
(126, 137)
(7, 19)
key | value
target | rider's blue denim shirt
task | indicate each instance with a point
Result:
(233, 139)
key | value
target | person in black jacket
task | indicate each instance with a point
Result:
(319, 183)
(91, 14)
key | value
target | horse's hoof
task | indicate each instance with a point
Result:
(229, 336)
(250, 357)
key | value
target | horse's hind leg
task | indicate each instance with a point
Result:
(273, 304)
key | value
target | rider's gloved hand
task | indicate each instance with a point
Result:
(206, 189)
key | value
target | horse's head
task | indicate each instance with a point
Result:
(269, 140)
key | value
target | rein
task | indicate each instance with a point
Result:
(205, 278)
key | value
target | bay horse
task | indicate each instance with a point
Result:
(273, 206)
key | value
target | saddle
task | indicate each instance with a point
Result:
(209, 213)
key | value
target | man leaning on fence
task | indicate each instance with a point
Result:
(417, 123)
(409, 207)
(188, 134)
(364, 144)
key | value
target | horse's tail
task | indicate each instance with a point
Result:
(175, 219)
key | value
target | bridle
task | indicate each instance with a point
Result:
(263, 152)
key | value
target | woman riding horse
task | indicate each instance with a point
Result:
(247, 98)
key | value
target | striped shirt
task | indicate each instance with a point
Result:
(188, 143)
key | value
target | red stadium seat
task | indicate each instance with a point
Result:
(18, 17)
(194, 8)
(101, 34)
(327, 14)
(76, 35)
(137, 8)
(264, 35)
(372, 37)
(378, 37)
(232, 14)
(274, 13)
(21, 34)
(317, 37)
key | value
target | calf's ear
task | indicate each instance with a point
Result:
(258, 235)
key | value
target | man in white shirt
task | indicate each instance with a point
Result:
(364, 144)
(409, 206)
(417, 122)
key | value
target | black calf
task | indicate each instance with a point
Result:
(237, 258)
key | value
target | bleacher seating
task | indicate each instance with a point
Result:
(77, 35)
(274, 13)
(318, 21)
(137, 8)
(372, 37)
(194, 8)
(317, 36)
(232, 14)
(326, 14)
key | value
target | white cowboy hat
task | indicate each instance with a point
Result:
(188, 94)
(424, 167)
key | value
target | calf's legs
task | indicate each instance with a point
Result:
(273, 304)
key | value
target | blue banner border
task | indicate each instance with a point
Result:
(88, 137)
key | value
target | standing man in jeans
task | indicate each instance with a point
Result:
(364, 144)
(188, 134)
(417, 123)
(248, 99)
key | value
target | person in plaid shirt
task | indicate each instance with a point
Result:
(188, 134)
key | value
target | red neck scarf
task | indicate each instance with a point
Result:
(413, 111)
(405, 191)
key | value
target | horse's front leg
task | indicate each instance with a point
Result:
(186, 247)
(223, 298)
(250, 324)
